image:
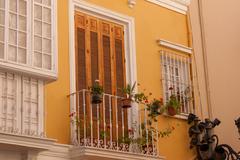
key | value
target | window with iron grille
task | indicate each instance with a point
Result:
(177, 79)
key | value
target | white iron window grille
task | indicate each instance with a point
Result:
(21, 105)
(176, 79)
(27, 34)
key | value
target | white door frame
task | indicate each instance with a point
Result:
(130, 48)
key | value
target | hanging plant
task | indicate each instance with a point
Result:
(128, 92)
(96, 91)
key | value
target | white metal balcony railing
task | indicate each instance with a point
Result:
(106, 125)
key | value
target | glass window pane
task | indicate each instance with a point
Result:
(46, 30)
(46, 2)
(37, 59)
(1, 34)
(46, 61)
(22, 23)
(38, 12)
(12, 37)
(22, 55)
(1, 50)
(37, 28)
(22, 7)
(13, 21)
(46, 46)
(2, 17)
(13, 5)
(12, 53)
(38, 1)
(37, 43)
(46, 15)
(2, 4)
(22, 39)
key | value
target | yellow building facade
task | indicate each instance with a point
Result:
(156, 35)
(152, 22)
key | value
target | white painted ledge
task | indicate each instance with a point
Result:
(175, 46)
(180, 6)
(99, 154)
(32, 143)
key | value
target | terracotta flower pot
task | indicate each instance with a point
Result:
(172, 111)
(126, 103)
(96, 98)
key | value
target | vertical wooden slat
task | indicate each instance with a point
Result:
(113, 78)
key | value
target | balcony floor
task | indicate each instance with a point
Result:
(93, 153)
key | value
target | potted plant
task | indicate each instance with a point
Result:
(96, 91)
(128, 91)
(173, 105)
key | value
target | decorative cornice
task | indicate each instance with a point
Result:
(34, 143)
(175, 46)
(57, 150)
(180, 6)
(81, 152)
(131, 3)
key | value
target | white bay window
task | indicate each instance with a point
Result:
(28, 59)
(27, 37)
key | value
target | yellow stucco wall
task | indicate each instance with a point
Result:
(56, 101)
(151, 23)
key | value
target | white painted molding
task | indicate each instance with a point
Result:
(131, 3)
(175, 46)
(30, 142)
(98, 153)
(28, 71)
(56, 151)
(180, 6)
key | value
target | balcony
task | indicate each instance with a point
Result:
(110, 131)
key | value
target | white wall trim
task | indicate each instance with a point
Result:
(58, 151)
(180, 6)
(130, 48)
(175, 46)
(98, 153)
(26, 141)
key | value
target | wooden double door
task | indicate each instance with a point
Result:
(100, 56)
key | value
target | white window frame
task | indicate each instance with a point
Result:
(28, 69)
(130, 48)
(186, 52)
(22, 122)
(179, 6)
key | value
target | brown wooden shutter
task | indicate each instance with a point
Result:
(100, 55)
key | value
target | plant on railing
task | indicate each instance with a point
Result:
(96, 91)
(128, 92)
(143, 139)
(132, 96)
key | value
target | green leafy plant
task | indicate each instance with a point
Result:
(128, 91)
(173, 102)
(96, 88)
(140, 97)
(155, 109)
